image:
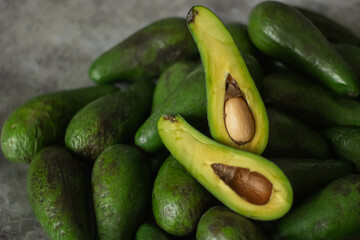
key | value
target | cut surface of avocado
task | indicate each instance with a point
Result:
(236, 113)
(245, 182)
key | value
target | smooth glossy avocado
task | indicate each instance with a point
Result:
(245, 182)
(235, 111)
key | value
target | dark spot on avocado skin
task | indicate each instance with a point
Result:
(191, 16)
(171, 118)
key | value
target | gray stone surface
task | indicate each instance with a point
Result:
(49, 45)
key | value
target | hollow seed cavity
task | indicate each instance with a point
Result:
(251, 186)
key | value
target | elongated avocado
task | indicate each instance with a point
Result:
(309, 175)
(56, 190)
(42, 121)
(121, 182)
(332, 30)
(178, 200)
(284, 33)
(235, 111)
(150, 231)
(109, 120)
(170, 79)
(245, 182)
(289, 137)
(351, 54)
(146, 53)
(346, 143)
(309, 101)
(219, 222)
(331, 214)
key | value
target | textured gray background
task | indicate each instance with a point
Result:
(49, 45)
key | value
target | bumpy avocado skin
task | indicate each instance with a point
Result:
(42, 121)
(56, 191)
(150, 231)
(346, 143)
(241, 38)
(289, 137)
(309, 175)
(188, 99)
(121, 184)
(332, 30)
(178, 200)
(109, 120)
(169, 80)
(332, 213)
(351, 55)
(284, 33)
(219, 222)
(146, 53)
(309, 101)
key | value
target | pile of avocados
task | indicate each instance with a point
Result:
(221, 132)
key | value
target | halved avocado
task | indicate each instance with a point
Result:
(245, 182)
(236, 112)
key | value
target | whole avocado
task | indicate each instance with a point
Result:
(121, 184)
(109, 120)
(146, 53)
(285, 34)
(42, 121)
(56, 190)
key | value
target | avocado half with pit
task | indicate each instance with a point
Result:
(245, 182)
(236, 113)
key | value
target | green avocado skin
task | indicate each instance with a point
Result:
(42, 121)
(121, 184)
(331, 214)
(188, 100)
(241, 38)
(289, 137)
(146, 53)
(351, 55)
(149, 231)
(309, 101)
(346, 143)
(309, 175)
(219, 222)
(56, 192)
(284, 33)
(109, 120)
(178, 200)
(332, 30)
(170, 79)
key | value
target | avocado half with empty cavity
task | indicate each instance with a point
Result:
(245, 182)
(236, 112)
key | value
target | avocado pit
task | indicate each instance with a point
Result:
(251, 186)
(239, 121)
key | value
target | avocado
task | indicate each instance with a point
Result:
(221, 223)
(351, 55)
(146, 53)
(241, 38)
(245, 182)
(283, 33)
(169, 80)
(308, 101)
(331, 214)
(150, 231)
(332, 30)
(289, 137)
(178, 200)
(346, 143)
(235, 111)
(56, 192)
(42, 121)
(121, 184)
(109, 120)
(309, 175)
